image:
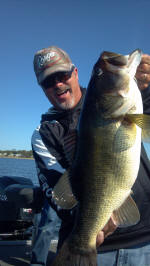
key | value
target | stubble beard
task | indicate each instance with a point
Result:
(66, 105)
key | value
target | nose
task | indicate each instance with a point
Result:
(58, 84)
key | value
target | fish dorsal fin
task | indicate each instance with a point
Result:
(62, 193)
(127, 214)
(143, 121)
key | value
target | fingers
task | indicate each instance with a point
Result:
(108, 229)
(145, 68)
(100, 238)
(142, 85)
(143, 72)
(145, 59)
(143, 77)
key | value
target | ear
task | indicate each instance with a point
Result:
(76, 73)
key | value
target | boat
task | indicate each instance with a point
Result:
(20, 202)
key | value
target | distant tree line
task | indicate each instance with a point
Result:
(16, 153)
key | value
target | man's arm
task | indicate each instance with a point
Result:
(49, 171)
(48, 168)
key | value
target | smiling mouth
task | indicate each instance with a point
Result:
(62, 92)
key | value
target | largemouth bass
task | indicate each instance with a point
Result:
(107, 157)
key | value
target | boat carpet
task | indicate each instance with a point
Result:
(18, 253)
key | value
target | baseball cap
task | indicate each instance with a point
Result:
(49, 61)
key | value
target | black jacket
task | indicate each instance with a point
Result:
(53, 145)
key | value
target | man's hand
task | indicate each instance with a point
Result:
(108, 229)
(143, 72)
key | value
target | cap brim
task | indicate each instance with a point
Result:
(51, 70)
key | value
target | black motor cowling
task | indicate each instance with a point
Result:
(18, 192)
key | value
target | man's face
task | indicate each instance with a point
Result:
(63, 91)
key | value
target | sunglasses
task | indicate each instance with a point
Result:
(57, 77)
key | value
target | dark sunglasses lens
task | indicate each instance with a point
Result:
(58, 77)
(49, 82)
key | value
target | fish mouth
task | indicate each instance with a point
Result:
(121, 61)
(114, 59)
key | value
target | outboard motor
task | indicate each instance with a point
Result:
(20, 199)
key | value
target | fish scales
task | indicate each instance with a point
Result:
(97, 185)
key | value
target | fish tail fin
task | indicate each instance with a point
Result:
(66, 257)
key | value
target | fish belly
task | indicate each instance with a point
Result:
(108, 172)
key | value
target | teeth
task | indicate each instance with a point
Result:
(62, 92)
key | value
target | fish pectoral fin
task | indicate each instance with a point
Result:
(62, 193)
(127, 214)
(143, 121)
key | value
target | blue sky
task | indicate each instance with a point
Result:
(83, 28)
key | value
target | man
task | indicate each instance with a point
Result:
(53, 146)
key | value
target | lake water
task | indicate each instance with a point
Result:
(18, 167)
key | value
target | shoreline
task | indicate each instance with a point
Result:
(11, 157)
